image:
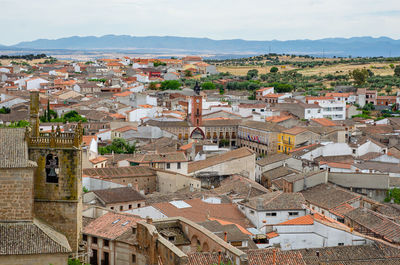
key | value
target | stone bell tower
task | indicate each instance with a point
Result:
(58, 177)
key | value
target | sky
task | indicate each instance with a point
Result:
(26, 20)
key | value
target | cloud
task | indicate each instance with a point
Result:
(218, 19)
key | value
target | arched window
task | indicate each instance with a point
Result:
(51, 168)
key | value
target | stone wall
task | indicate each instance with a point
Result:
(16, 194)
(145, 183)
(42, 259)
(63, 216)
(60, 204)
(172, 182)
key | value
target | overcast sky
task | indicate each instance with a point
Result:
(25, 20)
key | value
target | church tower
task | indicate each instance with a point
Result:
(58, 176)
(197, 107)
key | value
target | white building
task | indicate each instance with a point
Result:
(314, 231)
(35, 82)
(273, 208)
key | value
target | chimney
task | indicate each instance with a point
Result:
(149, 220)
(219, 257)
(225, 236)
(137, 186)
(259, 203)
(274, 256)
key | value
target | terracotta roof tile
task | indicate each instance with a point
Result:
(111, 225)
(200, 211)
(324, 122)
(215, 160)
(295, 130)
(302, 220)
(272, 235)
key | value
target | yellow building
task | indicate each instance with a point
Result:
(292, 138)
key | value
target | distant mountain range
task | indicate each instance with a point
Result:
(357, 46)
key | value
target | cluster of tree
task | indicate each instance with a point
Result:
(280, 87)
(118, 146)
(252, 74)
(71, 116)
(393, 194)
(246, 85)
(103, 80)
(5, 110)
(28, 57)
(158, 63)
(51, 60)
(170, 85)
(18, 124)
(21, 63)
(397, 71)
(208, 86)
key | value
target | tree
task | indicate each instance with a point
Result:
(188, 73)
(359, 75)
(19, 124)
(208, 86)
(170, 85)
(397, 70)
(118, 146)
(158, 63)
(393, 194)
(252, 74)
(48, 111)
(4, 110)
(153, 86)
(274, 69)
(368, 107)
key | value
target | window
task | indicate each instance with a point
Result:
(130, 206)
(84, 237)
(293, 213)
(121, 207)
(94, 241)
(251, 211)
(168, 165)
(133, 258)
(106, 242)
(112, 208)
(138, 205)
(179, 165)
(354, 151)
(51, 168)
(270, 214)
(340, 244)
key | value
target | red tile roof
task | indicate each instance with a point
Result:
(201, 211)
(277, 119)
(223, 222)
(324, 122)
(111, 225)
(302, 220)
(272, 235)
(295, 130)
